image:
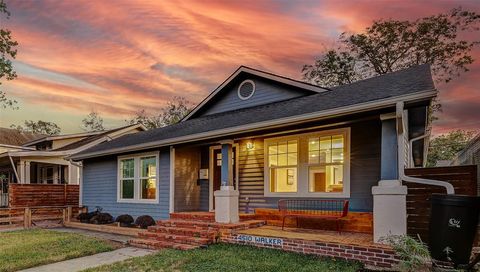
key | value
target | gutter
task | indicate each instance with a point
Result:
(401, 156)
(366, 106)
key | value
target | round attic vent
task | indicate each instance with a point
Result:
(246, 89)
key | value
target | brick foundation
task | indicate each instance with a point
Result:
(381, 257)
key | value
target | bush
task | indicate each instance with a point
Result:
(414, 255)
(86, 217)
(102, 218)
(144, 221)
(125, 220)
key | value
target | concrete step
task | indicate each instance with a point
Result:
(153, 244)
(190, 240)
(192, 232)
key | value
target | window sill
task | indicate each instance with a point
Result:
(308, 195)
(138, 201)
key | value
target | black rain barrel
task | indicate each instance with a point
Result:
(453, 223)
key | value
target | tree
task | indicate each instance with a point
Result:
(172, 113)
(390, 45)
(39, 127)
(446, 146)
(7, 52)
(93, 122)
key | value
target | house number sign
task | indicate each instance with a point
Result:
(260, 240)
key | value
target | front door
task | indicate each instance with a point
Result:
(217, 170)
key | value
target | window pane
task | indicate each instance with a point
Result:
(292, 146)
(127, 167)
(282, 160)
(313, 144)
(127, 189)
(325, 142)
(337, 141)
(313, 157)
(283, 180)
(273, 160)
(272, 149)
(148, 165)
(282, 147)
(292, 159)
(326, 179)
(325, 156)
(149, 188)
(337, 155)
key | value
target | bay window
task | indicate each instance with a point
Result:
(138, 178)
(308, 165)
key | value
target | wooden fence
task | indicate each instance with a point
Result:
(28, 217)
(41, 195)
(463, 179)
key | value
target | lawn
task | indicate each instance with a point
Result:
(223, 257)
(28, 248)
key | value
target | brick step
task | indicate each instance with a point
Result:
(153, 244)
(193, 232)
(206, 216)
(190, 240)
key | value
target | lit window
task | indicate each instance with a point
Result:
(325, 158)
(283, 160)
(138, 178)
(308, 165)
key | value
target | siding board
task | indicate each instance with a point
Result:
(100, 188)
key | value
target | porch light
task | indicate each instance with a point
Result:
(250, 146)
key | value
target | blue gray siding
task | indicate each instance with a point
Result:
(100, 188)
(266, 92)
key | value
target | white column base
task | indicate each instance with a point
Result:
(226, 205)
(389, 209)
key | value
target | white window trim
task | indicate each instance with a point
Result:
(302, 178)
(240, 86)
(136, 178)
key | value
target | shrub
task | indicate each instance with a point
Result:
(414, 255)
(125, 220)
(144, 221)
(102, 218)
(86, 217)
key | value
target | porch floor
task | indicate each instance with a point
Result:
(346, 238)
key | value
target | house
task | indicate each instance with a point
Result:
(470, 155)
(261, 137)
(44, 159)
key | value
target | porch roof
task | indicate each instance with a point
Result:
(411, 84)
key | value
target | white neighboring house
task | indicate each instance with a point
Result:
(44, 160)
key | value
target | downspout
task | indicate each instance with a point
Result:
(410, 143)
(401, 157)
(80, 180)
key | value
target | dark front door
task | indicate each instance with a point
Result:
(217, 170)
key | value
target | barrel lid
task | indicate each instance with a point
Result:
(456, 200)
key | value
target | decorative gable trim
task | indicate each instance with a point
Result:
(259, 73)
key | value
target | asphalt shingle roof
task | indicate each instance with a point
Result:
(408, 81)
(10, 136)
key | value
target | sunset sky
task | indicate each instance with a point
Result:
(118, 57)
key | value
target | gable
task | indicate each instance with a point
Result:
(268, 88)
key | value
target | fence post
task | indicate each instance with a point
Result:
(27, 218)
(69, 213)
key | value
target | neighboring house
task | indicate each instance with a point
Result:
(470, 155)
(261, 137)
(13, 139)
(43, 160)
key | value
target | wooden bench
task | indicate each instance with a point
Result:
(335, 210)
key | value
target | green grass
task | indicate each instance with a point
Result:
(224, 258)
(29, 248)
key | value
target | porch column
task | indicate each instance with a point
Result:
(389, 197)
(226, 199)
(21, 172)
(27, 172)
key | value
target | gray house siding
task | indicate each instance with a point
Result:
(265, 92)
(100, 188)
(364, 169)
